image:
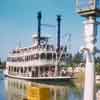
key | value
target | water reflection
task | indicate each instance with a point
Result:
(19, 90)
(15, 89)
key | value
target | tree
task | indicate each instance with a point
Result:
(0, 61)
(77, 58)
(97, 60)
(98, 68)
(2, 64)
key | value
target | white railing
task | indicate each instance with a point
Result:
(32, 63)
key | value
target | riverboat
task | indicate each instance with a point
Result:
(41, 61)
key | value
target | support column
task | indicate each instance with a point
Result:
(38, 71)
(43, 71)
(90, 39)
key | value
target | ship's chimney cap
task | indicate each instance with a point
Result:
(39, 14)
(59, 17)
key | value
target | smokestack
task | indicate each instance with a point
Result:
(58, 31)
(39, 26)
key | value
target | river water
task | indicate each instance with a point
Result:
(15, 89)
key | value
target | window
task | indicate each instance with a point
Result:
(30, 69)
(21, 69)
(14, 69)
(36, 56)
(9, 68)
(42, 56)
(54, 55)
(26, 58)
(49, 56)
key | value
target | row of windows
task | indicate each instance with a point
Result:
(47, 56)
(21, 69)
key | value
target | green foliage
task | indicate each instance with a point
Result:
(73, 65)
(73, 61)
(77, 58)
(98, 86)
(98, 68)
(2, 64)
(97, 60)
(68, 65)
(0, 61)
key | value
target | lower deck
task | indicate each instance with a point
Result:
(35, 72)
(57, 78)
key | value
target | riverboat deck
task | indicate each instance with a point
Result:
(41, 78)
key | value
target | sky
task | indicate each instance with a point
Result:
(18, 21)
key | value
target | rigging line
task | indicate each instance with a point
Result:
(63, 48)
(48, 25)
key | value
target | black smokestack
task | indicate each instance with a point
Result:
(58, 31)
(39, 26)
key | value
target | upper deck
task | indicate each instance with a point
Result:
(44, 46)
